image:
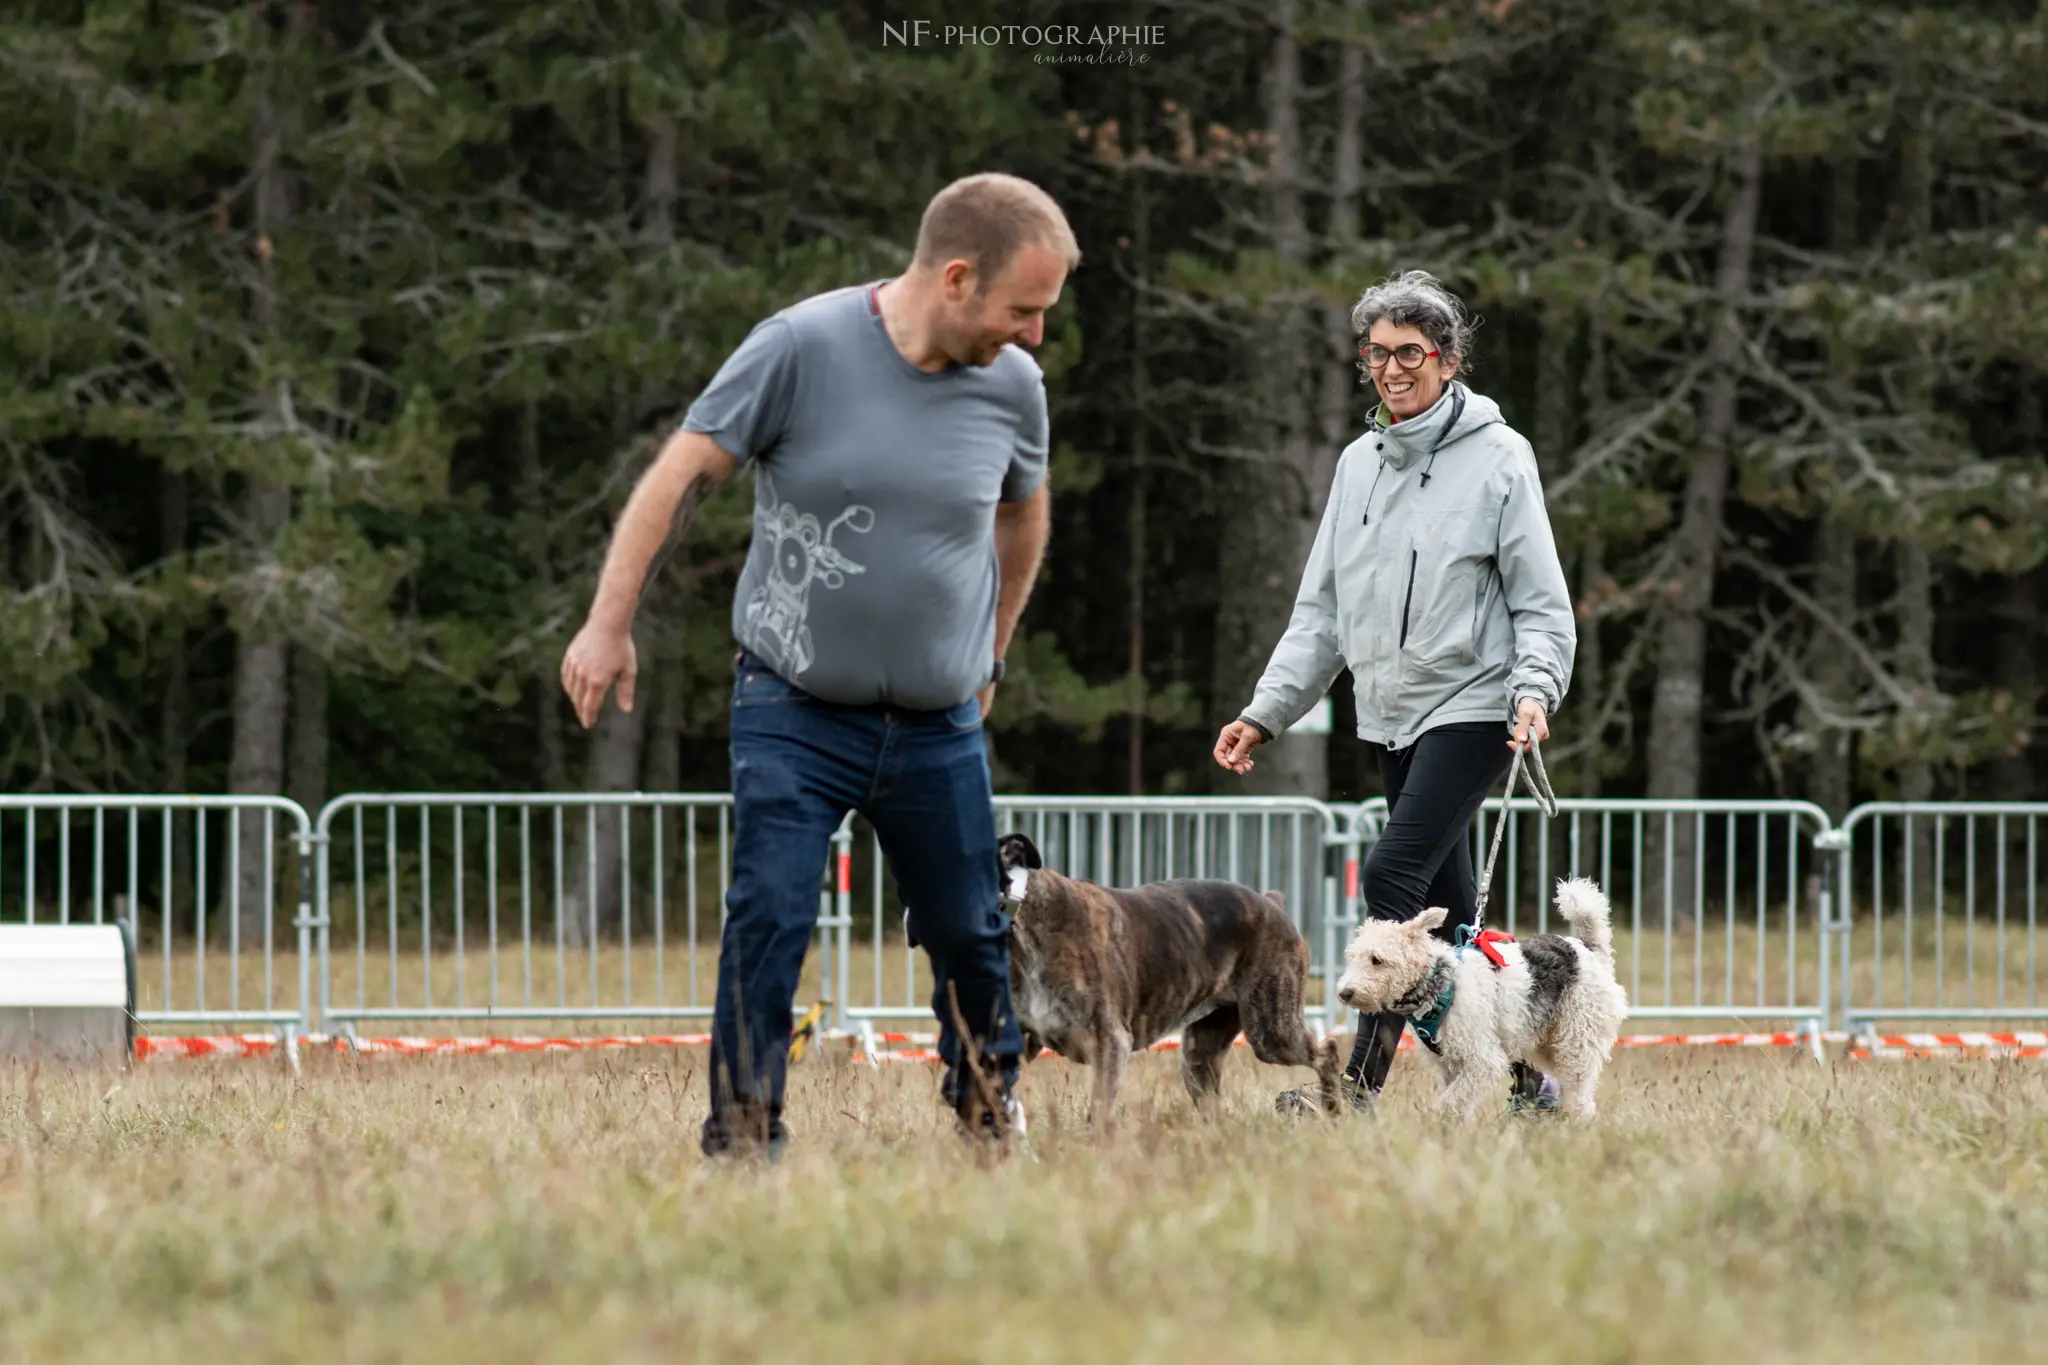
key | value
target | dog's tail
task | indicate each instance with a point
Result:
(1584, 906)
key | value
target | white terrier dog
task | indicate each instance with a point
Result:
(1552, 1003)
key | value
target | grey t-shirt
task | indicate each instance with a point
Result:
(872, 572)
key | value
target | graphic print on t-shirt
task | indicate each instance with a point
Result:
(801, 553)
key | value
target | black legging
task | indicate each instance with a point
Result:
(1434, 788)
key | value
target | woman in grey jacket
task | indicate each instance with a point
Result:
(1435, 579)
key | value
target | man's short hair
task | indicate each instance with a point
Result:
(985, 218)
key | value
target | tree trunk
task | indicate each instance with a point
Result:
(308, 774)
(1916, 671)
(2019, 635)
(1279, 501)
(548, 701)
(667, 701)
(1554, 408)
(1589, 673)
(618, 741)
(658, 184)
(1589, 666)
(176, 715)
(2019, 644)
(616, 744)
(1141, 421)
(1338, 352)
(256, 761)
(1554, 404)
(1829, 668)
(1916, 569)
(554, 750)
(256, 758)
(1134, 664)
(1675, 710)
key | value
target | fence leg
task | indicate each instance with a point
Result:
(312, 917)
(1324, 1015)
(288, 1044)
(828, 941)
(1337, 926)
(842, 907)
(1833, 845)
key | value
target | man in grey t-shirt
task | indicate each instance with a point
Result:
(872, 576)
(898, 439)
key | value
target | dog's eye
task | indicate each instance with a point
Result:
(1378, 961)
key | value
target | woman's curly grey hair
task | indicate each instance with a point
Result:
(1418, 299)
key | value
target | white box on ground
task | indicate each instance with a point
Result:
(67, 991)
(1318, 721)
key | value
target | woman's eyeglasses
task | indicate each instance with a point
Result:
(1407, 357)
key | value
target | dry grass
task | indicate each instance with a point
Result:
(1724, 1207)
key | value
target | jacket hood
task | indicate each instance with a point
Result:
(1456, 414)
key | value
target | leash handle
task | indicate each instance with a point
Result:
(1546, 801)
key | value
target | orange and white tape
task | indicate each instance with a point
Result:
(1954, 1040)
(923, 1051)
(919, 1047)
(1992, 1054)
(1992, 1046)
(240, 1045)
(1720, 1039)
(268, 1044)
(471, 1047)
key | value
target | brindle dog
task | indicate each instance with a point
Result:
(1098, 973)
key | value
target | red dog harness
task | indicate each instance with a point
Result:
(1485, 941)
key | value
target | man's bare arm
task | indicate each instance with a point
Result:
(1022, 529)
(656, 517)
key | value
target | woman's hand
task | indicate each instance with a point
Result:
(1234, 746)
(1529, 718)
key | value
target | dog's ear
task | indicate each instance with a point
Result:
(1279, 899)
(1016, 850)
(1428, 919)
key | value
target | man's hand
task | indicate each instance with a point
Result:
(598, 657)
(1234, 746)
(1529, 717)
(987, 696)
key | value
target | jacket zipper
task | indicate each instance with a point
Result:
(1407, 599)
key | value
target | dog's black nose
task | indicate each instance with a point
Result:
(1347, 995)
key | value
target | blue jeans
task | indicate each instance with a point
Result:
(921, 779)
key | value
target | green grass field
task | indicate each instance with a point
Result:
(1724, 1207)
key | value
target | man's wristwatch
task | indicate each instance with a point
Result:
(997, 675)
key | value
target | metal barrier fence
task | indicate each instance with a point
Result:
(1942, 908)
(461, 907)
(1729, 897)
(199, 880)
(576, 907)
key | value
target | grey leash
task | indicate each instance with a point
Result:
(1546, 800)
